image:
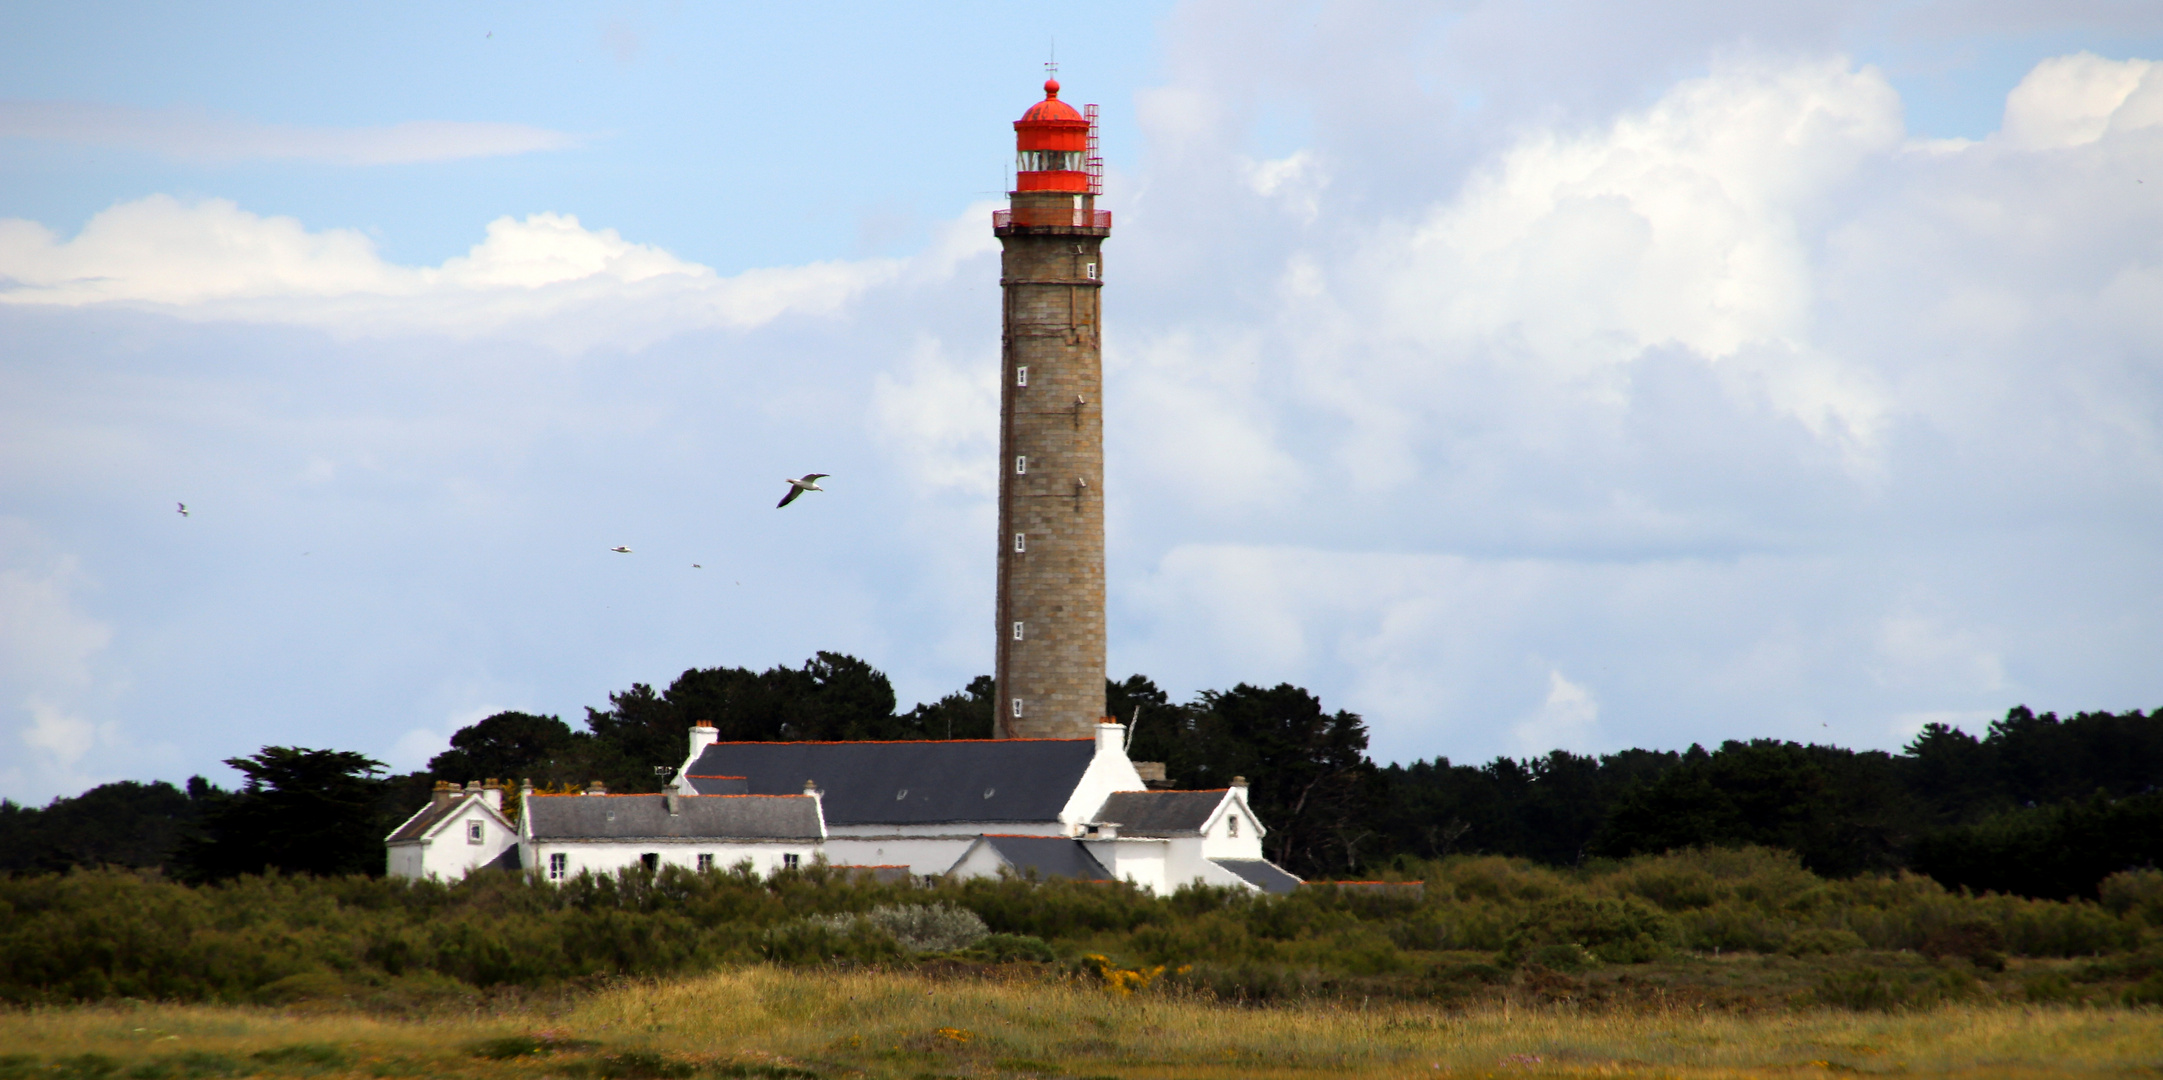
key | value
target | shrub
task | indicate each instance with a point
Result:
(1617, 931)
(918, 928)
(2135, 893)
(1012, 948)
(1823, 942)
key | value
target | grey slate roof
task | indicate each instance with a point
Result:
(1160, 813)
(1261, 873)
(1049, 856)
(426, 819)
(698, 817)
(913, 783)
(506, 861)
(720, 785)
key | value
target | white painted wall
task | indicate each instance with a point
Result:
(921, 854)
(405, 859)
(609, 856)
(447, 850)
(1140, 860)
(1218, 835)
(981, 860)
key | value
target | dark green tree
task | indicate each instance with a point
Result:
(832, 697)
(1309, 778)
(2052, 852)
(516, 746)
(964, 714)
(300, 811)
(1839, 810)
(119, 824)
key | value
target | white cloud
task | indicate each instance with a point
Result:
(942, 418)
(2073, 100)
(546, 277)
(64, 737)
(48, 645)
(1568, 719)
(198, 135)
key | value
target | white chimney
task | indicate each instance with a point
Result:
(703, 736)
(1111, 738)
(493, 796)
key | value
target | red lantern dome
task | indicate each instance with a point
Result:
(1052, 144)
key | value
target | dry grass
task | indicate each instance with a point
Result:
(763, 1021)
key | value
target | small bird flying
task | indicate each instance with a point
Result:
(621, 550)
(810, 482)
(183, 509)
(696, 566)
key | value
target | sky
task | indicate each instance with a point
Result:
(1519, 376)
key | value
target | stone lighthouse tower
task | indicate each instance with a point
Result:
(1051, 429)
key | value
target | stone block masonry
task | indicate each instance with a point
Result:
(1051, 627)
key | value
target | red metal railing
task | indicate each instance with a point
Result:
(1093, 158)
(1051, 215)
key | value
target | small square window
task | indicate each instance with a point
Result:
(1021, 464)
(1021, 375)
(474, 833)
(705, 860)
(788, 861)
(1017, 706)
(559, 867)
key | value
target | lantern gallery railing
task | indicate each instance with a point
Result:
(1049, 215)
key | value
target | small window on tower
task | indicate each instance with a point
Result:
(1092, 271)
(1017, 631)
(1021, 375)
(1021, 542)
(1017, 710)
(1021, 464)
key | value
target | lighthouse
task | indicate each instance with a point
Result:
(1050, 609)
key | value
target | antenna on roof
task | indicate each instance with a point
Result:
(1137, 722)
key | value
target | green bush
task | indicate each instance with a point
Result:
(1610, 929)
(1823, 942)
(100, 935)
(2135, 893)
(1012, 948)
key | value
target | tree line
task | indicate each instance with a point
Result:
(2037, 806)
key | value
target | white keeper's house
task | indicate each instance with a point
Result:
(964, 808)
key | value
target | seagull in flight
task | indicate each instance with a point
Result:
(696, 566)
(621, 550)
(183, 509)
(810, 482)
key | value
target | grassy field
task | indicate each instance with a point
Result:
(764, 1021)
